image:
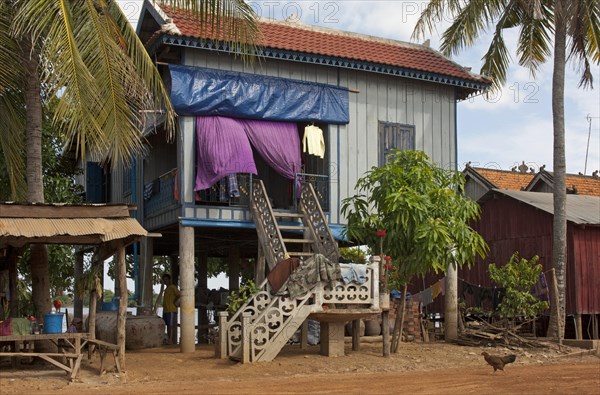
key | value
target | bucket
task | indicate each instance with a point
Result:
(53, 323)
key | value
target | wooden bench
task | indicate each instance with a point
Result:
(74, 360)
(104, 348)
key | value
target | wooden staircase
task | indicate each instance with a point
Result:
(264, 324)
(309, 223)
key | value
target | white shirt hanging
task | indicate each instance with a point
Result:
(313, 141)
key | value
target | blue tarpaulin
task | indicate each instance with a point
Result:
(202, 91)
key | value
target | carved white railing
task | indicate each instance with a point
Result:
(266, 225)
(264, 324)
(324, 243)
(366, 294)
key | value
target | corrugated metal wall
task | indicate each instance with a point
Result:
(585, 253)
(508, 226)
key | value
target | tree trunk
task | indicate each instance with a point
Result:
(92, 314)
(35, 187)
(559, 232)
(451, 305)
(399, 323)
(121, 322)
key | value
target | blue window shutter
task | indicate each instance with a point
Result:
(94, 183)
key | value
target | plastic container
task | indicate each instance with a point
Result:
(109, 306)
(53, 323)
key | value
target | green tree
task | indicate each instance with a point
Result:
(575, 25)
(425, 218)
(87, 54)
(518, 276)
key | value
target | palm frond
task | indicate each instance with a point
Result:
(472, 19)
(581, 18)
(11, 76)
(432, 15)
(232, 21)
(12, 124)
(535, 43)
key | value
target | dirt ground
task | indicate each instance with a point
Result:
(417, 369)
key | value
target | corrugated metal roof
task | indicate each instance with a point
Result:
(77, 224)
(580, 209)
(104, 229)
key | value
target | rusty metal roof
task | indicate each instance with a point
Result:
(580, 209)
(76, 224)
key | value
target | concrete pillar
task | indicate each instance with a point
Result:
(122, 317)
(451, 305)
(332, 339)
(234, 269)
(186, 284)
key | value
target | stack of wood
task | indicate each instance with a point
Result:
(480, 333)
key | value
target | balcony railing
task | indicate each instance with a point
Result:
(221, 193)
(159, 195)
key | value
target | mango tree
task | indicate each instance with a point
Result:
(425, 217)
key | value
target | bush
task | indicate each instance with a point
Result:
(518, 277)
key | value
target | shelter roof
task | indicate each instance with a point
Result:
(301, 38)
(21, 224)
(581, 210)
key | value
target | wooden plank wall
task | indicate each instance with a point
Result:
(354, 147)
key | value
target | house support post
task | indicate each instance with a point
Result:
(144, 285)
(259, 267)
(77, 298)
(202, 288)
(304, 336)
(186, 267)
(121, 319)
(12, 282)
(332, 339)
(385, 332)
(578, 327)
(451, 305)
(234, 269)
(356, 335)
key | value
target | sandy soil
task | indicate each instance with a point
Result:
(418, 368)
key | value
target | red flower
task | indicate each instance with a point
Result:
(388, 258)
(381, 233)
(324, 307)
(389, 266)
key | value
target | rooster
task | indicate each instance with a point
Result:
(498, 362)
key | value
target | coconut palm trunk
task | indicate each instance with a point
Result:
(38, 260)
(559, 245)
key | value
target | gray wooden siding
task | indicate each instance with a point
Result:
(354, 148)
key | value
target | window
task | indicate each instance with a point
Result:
(394, 136)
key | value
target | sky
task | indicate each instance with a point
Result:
(498, 132)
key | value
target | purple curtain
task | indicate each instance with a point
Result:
(278, 143)
(222, 149)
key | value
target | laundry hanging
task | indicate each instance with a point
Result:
(224, 147)
(313, 141)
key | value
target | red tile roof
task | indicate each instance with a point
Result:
(583, 185)
(334, 43)
(504, 179)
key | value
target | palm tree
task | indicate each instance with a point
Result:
(575, 25)
(87, 54)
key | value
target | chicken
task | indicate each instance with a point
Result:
(498, 362)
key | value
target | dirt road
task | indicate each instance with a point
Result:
(418, 369)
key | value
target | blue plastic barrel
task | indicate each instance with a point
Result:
(53, 323)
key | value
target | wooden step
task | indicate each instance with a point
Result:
(287, 215)
(300, 253)
(301, 241)
(300, 226)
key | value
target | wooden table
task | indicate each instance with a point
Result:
(73, 341)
